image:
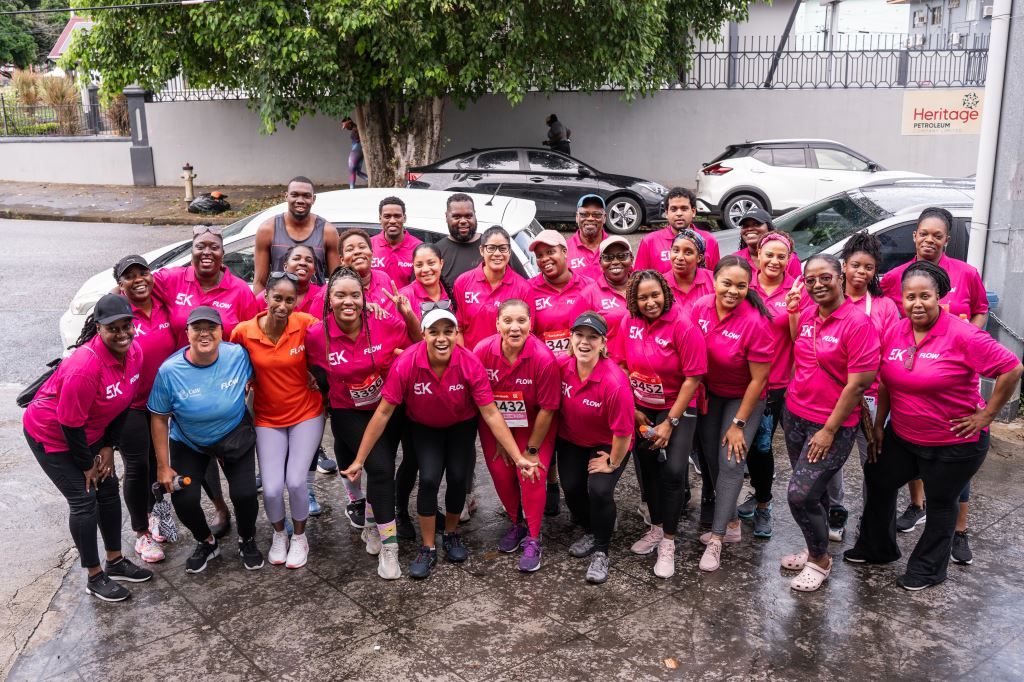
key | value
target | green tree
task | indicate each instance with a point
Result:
(393, 64)
(16, 44)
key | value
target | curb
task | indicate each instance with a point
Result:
(14, 214)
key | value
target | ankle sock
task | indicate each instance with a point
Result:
(388, 532)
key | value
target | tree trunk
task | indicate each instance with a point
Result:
(398, 134)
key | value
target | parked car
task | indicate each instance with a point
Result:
(552, 180)
(344, 209)
(780, 175)
(887, 208)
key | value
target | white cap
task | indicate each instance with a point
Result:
(614, 239)
(435, 316)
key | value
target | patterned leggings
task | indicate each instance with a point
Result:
(808, 485)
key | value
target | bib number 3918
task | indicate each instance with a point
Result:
(513, 408)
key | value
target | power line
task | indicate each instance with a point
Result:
(145, 5)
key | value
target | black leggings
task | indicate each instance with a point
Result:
(139, 468)
(449, 452)
(100, 506)
(239, 469)
(348, 427)
(761, 460)
(665, 484)
(408, 469)
(590, 497)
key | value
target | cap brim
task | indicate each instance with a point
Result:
(114, 318)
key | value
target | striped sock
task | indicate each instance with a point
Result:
(354, 490)
(370, 521)
(388, 532)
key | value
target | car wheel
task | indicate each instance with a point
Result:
(737, 206)
(624, 215)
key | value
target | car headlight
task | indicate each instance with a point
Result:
(82, 305)
(655, 187)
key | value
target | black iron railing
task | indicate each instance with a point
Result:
(66, 120)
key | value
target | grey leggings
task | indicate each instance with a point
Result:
(725, 475)
(284, 455)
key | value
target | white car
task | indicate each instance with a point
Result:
(780, 175)
(344, 209)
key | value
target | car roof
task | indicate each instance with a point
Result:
(922, 181)
(478, 150)
(801, 140)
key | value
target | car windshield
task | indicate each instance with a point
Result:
(173, 254)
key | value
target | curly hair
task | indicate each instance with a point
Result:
(868, 244)
(633, 286)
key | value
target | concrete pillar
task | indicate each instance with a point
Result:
(93, 104)
(143, 171)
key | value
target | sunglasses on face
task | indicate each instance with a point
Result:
(590, 214)
(825, 280)
(203, 229)
(443, 304)
(622, 257)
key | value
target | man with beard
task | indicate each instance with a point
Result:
(461, 250)
(583, 248)
(299, 225)
(393, 247)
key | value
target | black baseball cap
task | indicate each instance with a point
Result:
(204, 313)
(127, 262)
(593, 321)
(111, 308)
(759, 214)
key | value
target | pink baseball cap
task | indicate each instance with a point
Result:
(548, 238)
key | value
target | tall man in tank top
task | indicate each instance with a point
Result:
(298, 225)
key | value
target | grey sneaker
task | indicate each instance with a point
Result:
(763, 522)
(746, 510)
(911, 517)
(598, 571)
(583, 547)
(961, 549)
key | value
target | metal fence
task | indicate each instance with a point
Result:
(179, 90)
(70, 120)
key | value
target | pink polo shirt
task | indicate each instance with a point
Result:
(356, 368)
(555, 311)
(792, 270)
(942, 383)
(782, 364)
(306, 305)
(656, 248)
(377, 292)
(741, 337)
(417, 295)
(883, 314)
(438, 402)
(595, 410)
(583, 260)
(600, 297)
(824, 353)
(702, 285)
(89, 389)
(178, 289)
(525, 388)
(660, 355)
(966, 295)
(394, 260)
(156, 339)
(478, 303)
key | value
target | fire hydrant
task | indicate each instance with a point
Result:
(188, 176)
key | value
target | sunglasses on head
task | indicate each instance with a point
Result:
(443, 304)
(283, 275)
(203, 229)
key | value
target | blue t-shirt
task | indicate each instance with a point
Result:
(205, 403)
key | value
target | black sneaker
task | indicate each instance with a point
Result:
(403, 526)
(201, 556)
(356, 513)
(707, 512)
(102, 587)
(252, 557)
(859, 556)
(425, 560)
(837, 517)
(911, 517)
(913, 583)
(123, 570)
(454, 550)
(324, 464)
(551, 505)
(961, 549)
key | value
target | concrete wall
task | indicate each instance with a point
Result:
(85, 160)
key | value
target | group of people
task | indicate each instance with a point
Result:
(665, 354)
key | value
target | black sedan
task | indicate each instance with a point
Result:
(553, 181)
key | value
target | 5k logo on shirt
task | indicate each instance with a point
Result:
(114, 390)
(183, 299)
(422, 388)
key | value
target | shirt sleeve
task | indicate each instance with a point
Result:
(642, 261)
(395, 384)
(864, 348)
(238, 334)
(760, 341)
(77, 395)
(476, 377)
(693, 352)
(161, 281)
(712, 254)
(985, 355)
(891, 288)
(979, 299)
(549, 388)
(620, 405)
(617, 345)
(160, 396)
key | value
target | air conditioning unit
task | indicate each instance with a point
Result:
(955, 38)
(986, 12)
(919, 40)
(919, 19)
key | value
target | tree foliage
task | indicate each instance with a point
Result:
(393, 62)
(27, 39)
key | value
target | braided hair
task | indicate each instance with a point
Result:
(89, 330)
(633, 287)
(754, 298)
(427, 246)
(923, 268)
(868, 244)
(343, 272)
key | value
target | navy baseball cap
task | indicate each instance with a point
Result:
(593, 321)
(588, 198)
(204, 313)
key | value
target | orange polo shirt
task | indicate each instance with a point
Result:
(280, 379)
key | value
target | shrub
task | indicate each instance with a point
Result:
(26, 86)
(62, 94)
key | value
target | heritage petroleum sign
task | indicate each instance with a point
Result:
(942, 112)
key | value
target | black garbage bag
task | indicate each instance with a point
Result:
(210, 203)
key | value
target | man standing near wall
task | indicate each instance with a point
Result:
(298, 225)
(655, 249)
(461, 249)
(558, 135)
(393, 247)
(583, 248)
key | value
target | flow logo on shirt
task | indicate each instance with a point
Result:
(296, 351)
(830, 339)
(336, 358)
(566, 390)
(542, 303)
(134, 379)
(472, 297)
(730, 335)
(222, 306)
(225, 385)
(422, 388)
(456, 387)
(183, 299)
(492, 375)
(660, 341)
(372, 349)
(575, 263)
(636, 334)
(591, 403)
(524, 382)
(609, 303)
(114, 390)
(704, 324)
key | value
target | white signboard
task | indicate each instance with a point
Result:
(942, 112)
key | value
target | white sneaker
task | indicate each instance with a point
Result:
(278, 548)
(371, 536)
(387, 563)
(148, 549)
(298, 552)
(665, 566)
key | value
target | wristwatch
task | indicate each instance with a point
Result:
(674, 421)
(532, 451)
(739, 422)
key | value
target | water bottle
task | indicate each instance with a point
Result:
(648, 433)
(178, 483)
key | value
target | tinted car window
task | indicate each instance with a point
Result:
(897, 246)
(823, 223)
(374, 229)
(543, 162)
(729, 153)
(763, 155)
(833, 159)
(504, 160)
(239, 259)
(895, 198)
(791, 157)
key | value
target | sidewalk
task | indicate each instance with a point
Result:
(132, 205)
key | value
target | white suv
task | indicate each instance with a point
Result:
(780, 175)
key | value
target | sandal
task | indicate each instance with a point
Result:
(795, 562)
(811, 578)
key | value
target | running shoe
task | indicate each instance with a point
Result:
(530, 561)
(551, 505)
(425, 560)
(278, 553)
(314, 506)
(597, 573)
(746, 509)
(763, 522)
(732, 534)
(252, 557)
(707, 512)
(837, 523)
(324, 464)
(387, 562)
(911, 517)
(913, 583)
(356, 512)
(648, 542)
(712, 558)
(961, 549)
(148, 549)
(154, 528)
(513, 537)
(403, 526)
(123, 570)
(583, 547)
(201, 556)
(665, 566)
(102, 587)
(371, 536)
(298, 552)
(454, 550)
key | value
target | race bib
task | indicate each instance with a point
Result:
(647, 388)
(366, 392)
(557, 341)
(513, 408)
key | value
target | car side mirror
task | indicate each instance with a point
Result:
(583, 172)
(872, 166)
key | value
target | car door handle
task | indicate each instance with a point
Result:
(827, 179)
(535, 178)
(475, 176)
(754, 170)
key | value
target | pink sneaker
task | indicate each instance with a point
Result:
(732, 534)
(712, 558)
(648, 541)
(154, 529)
(148, 549)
